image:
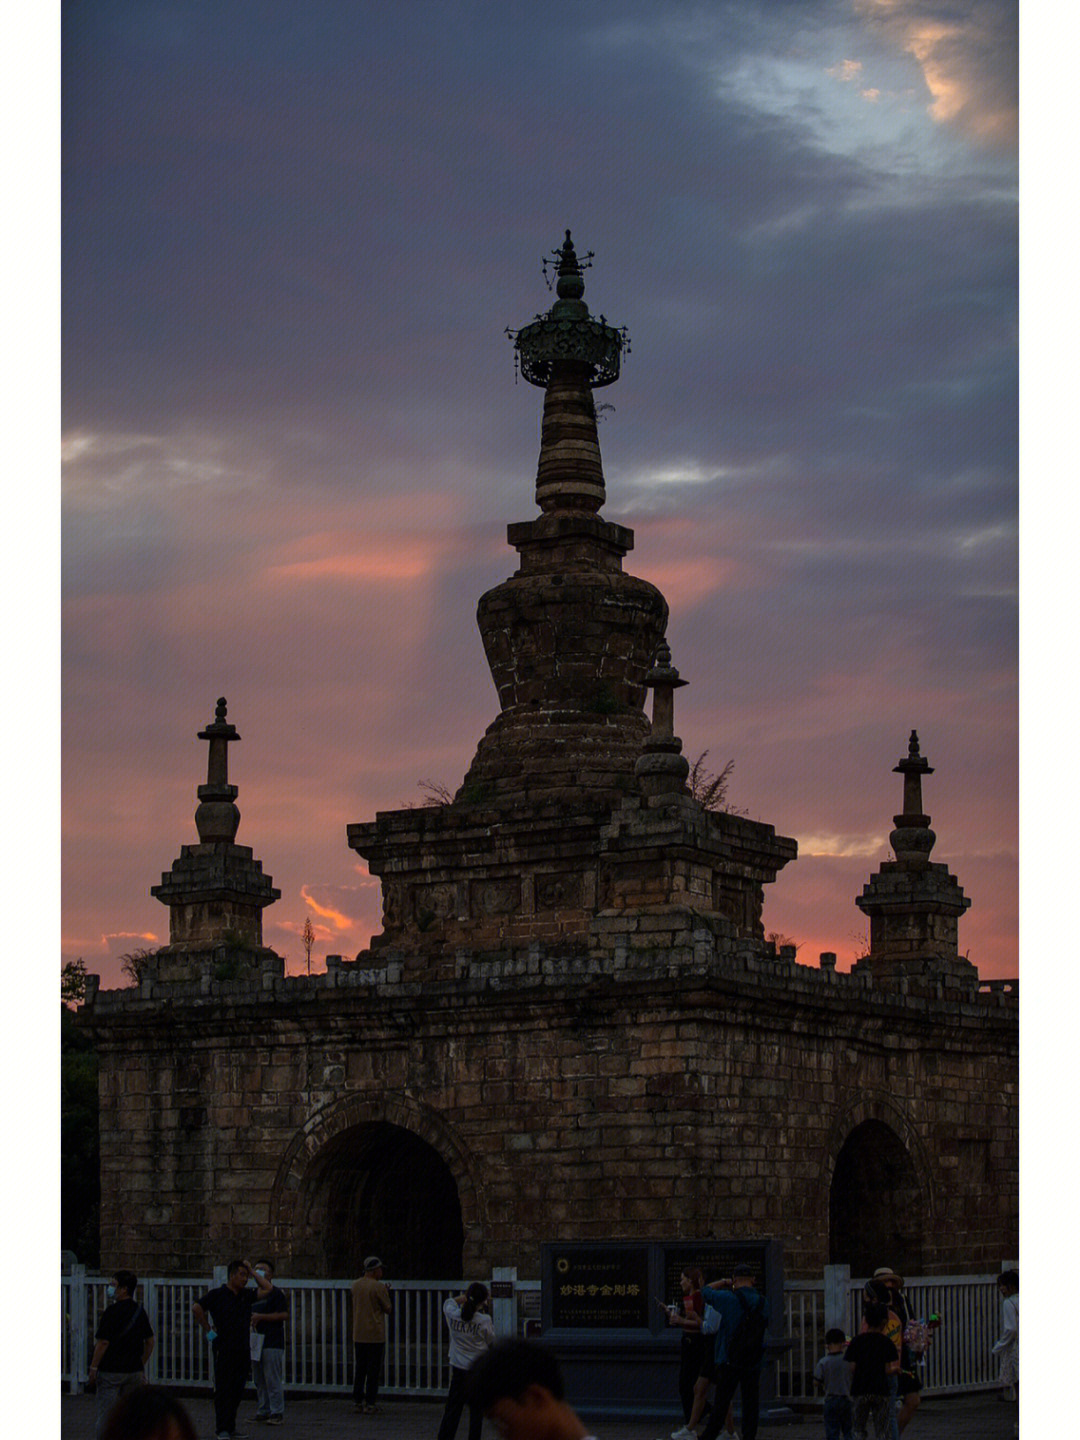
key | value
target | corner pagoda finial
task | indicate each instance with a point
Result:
(912, 840)
(217, 818)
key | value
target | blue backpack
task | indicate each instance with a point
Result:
(747, 1344)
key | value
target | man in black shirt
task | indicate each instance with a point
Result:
(872, 1357)
(228, 1306)
(125, 1341)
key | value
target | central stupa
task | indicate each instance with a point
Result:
(570, 637)
(574, 806)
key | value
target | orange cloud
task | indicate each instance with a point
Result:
(145, 935)
(685, 583)
(336, 918)
(387, 566)
(967, 65)
(846, 71)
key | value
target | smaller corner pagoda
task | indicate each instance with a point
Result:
(914, 904)
(216, 890)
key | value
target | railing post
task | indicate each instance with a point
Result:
(77, 1321)
(504, 1310)
(149, 1304)
(837, 1286)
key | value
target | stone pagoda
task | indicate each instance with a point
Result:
(913, 904)
(574, 816)
(572, 1028)
(216, 890)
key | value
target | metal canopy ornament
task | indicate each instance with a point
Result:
(568, 332)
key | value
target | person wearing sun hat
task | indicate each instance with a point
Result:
(370, 1307)
(909, 1384)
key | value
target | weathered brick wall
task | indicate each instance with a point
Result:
(568, 1101)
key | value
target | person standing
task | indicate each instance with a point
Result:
(471, 1333)
(268, 1316)
(740, 1349)
(876, 1292)
(370, 1307)
(228, 1306)
(692, 1342)
(124, 1343)
(832, 1374)
(1007, 1347)
(872, 1358)
(909, 1383)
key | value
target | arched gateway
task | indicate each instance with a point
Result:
(380, 1189)
(877, 1212)
(366, 1178)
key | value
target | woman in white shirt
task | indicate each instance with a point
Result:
(471, 1332)
(1008, 1347)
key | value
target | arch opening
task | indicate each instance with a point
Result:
(379, 1189)
(875, 1203)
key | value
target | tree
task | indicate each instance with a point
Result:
(80, 1186)
(706, 788)
(435, 794)
(775, 938)
(73, 982)
(134, 964)
(308, 937)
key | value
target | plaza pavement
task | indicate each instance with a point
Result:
(978, 1417)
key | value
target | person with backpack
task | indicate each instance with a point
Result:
(740, 1349)
(703, 1380)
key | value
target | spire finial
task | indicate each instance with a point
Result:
(662, 768)
(568, 332)
(912, 840)
(217, 818)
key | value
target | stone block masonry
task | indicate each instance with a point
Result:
(566, 1096)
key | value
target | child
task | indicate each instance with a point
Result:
(832, 1374)
(872, 1358)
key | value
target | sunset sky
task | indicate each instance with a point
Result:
(294, 237)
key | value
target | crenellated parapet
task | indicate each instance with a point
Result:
(648, 950)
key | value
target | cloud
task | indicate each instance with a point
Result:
(846, 71)
(968, 59)
(843, 847)
(327, 912)
(294, 442)
(147, 936)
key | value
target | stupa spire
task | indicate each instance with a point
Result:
(913, 904)
(662, 768)
(216, 890)
(569, 353)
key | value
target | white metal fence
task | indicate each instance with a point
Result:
(319, 1353)
(957, 1361)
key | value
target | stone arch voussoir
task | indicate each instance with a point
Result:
(349, 1112)
(881, 1106)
